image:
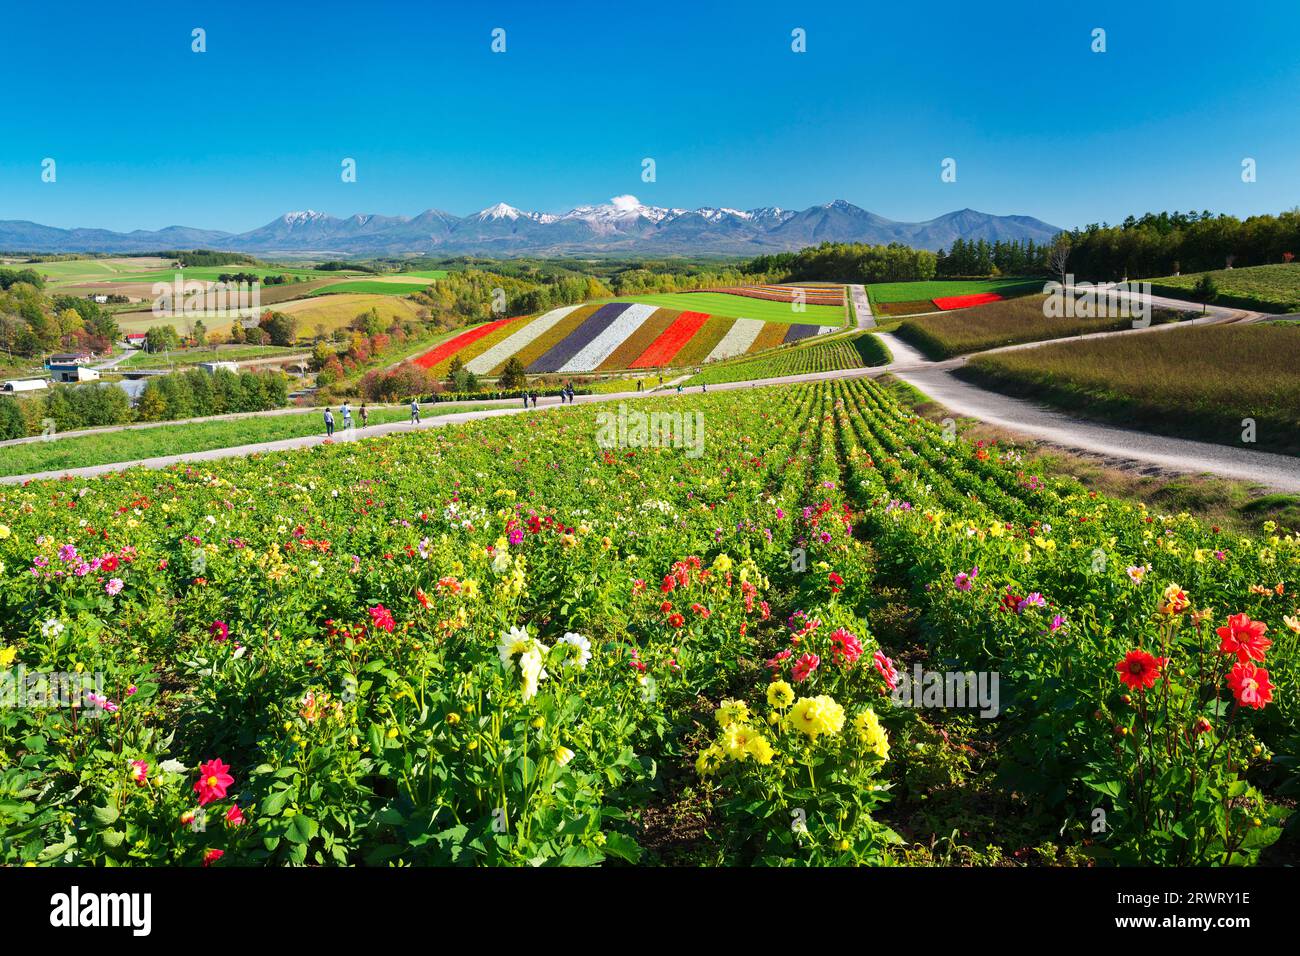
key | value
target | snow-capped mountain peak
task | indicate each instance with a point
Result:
(503, 211)
(303, 216)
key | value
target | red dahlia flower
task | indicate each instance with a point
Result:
(1140, 670)
(886, 668)
(383, 618)
(1250, 685)
(214, 778)
(1244, 637)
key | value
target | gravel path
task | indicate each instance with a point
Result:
(862, 306)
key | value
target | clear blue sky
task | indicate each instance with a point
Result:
(148, 134)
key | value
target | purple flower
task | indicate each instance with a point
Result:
(1058, 622)
(1033, 599)
(67, 553)
(113, 586)
(963, 580)
(516, 535)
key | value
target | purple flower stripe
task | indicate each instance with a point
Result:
(798, 332)
(579, 338)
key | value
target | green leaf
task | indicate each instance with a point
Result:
(301, 829)
(106, 815)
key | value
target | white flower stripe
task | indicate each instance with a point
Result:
(602, 346)
(486, 362)
(738, 339)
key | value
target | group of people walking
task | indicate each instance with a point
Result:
(566, 395)
(346, 412)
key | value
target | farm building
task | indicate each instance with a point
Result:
(213, 367)
(69, 358)
(135, 340)
(71, 372)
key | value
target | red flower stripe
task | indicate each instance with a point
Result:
(962, 301)
(674, 338)
(449, 348)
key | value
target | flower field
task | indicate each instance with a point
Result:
(505, 643)
(854, 351)
(611, 337)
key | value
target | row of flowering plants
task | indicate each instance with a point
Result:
(465, 647)
(482, 645)
(1139, 708)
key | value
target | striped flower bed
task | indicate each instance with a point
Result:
(704, 341)
(501, 351)
(665, 348)
(449, 348)
(738, 339)
(557, 333)
(640, 340)
(773, 334)
(603, 345)
(579, 338)
(963, 301)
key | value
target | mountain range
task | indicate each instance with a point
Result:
(622, 225)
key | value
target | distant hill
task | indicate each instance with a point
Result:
(621, 225)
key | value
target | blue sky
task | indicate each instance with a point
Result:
(147, 133)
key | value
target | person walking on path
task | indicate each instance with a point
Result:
(365, 416)
(329, 424)
(415, 411)
(638, 385)
(347, 416)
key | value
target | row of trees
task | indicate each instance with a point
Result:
(1160, 244)
(477, 296)
(844, 262)
(1001, 257)
(186, 394)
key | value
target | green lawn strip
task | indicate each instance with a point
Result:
(727, 305)
(140, 443)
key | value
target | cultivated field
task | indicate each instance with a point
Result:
(1198, 382)
(611, 337)
(527, 641)
(1002, 323)
(909, 298)
(1274, 289)
(854, 351)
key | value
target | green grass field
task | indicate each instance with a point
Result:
(1274, 289)
(1196, 382)
(887, 292)
(138, 443)
(739, 307)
